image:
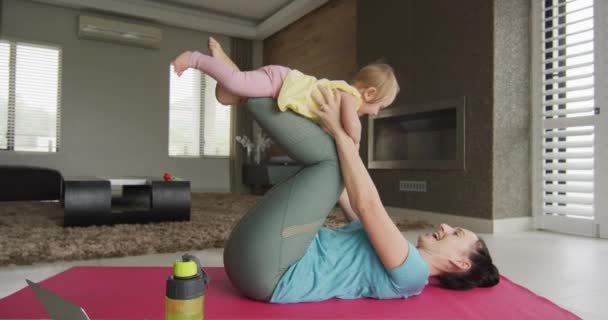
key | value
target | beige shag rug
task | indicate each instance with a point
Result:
(32, 232)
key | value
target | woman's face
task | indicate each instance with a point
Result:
(452, 244)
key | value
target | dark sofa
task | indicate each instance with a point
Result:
(23, 183)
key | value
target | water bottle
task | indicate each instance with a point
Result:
(186, 287)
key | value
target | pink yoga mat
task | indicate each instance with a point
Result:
(138, 293)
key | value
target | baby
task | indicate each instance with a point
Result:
(373, 88)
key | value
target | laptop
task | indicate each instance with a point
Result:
(57, 307)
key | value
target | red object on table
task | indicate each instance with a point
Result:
(139, 293)
(167, 176)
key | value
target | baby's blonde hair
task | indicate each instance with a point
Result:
(382, 77)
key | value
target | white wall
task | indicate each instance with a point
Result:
(114, 113)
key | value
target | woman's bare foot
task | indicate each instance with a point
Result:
(228, 98)
(217, 51)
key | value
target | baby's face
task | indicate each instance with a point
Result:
(370, 108)
(370, 104)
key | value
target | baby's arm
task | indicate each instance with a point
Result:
(349, 118)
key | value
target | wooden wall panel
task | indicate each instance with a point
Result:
(321, 43)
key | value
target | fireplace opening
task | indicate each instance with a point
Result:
(422, 136)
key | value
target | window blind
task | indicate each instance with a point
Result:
(30, 91)
(217, 123)
(186, 96)
(198, 124)
(568, 102)
(5, 51)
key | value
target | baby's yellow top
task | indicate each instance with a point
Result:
(297, 89)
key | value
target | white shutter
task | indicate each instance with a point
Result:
(30, 105)
(198, 124)
(568, 104)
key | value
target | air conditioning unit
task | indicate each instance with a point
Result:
(96, 28)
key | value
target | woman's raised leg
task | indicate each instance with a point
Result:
(278, 230)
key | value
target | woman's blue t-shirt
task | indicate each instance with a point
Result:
(341, 263)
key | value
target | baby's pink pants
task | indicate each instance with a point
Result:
(263, 82)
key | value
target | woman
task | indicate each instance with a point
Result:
(279, 253)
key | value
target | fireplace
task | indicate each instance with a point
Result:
(418, 136)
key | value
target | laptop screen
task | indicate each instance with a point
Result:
(56, 306)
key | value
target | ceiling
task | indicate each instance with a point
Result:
(248, 19)
(252, 10)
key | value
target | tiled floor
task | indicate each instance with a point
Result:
(568, 270)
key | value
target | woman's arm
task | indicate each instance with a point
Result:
(347, 208)
(388, 242)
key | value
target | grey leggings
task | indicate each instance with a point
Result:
(278, 230)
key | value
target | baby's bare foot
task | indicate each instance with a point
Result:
(215, 48)
(181, 63)
(217, 51)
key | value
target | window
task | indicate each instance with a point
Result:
(569, 131)
(568, 107)
(198, 124)
(30, 89)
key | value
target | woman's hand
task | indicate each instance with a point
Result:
(388, 242)
(329, 111)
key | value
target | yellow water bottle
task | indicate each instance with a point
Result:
(186, 287)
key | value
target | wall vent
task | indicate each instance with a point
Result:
(412, 186)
